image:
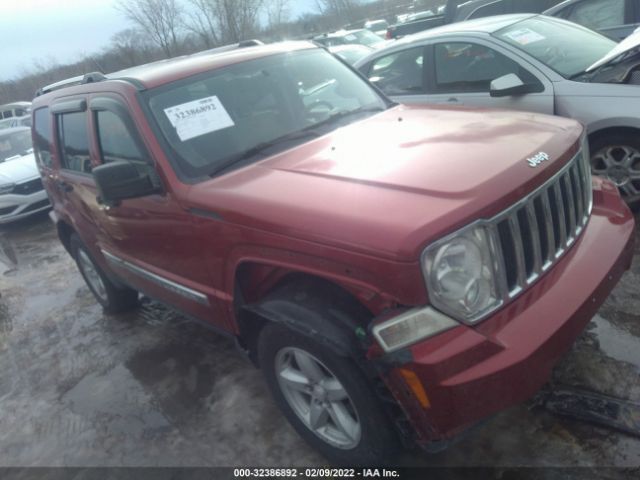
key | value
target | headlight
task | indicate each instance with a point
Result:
(461, 274)
(411, 327)
(6, 188)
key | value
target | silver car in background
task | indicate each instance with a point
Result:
(527, 62)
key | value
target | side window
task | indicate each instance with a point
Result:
(74, 142)
(598, 13)
(400, 73)
(468, 67)
(116, 141)
(42, 136)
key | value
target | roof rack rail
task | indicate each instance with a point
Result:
(79, 80)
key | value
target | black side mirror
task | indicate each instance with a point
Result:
(509, 85)
(120, 180)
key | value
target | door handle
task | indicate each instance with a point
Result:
(64, 186)
(453, 100)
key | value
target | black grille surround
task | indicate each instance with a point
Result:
(27, 188)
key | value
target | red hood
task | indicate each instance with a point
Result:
(391, 184)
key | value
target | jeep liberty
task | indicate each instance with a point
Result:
(398, 273)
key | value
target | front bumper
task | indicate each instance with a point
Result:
(470, 373)
(14, 207)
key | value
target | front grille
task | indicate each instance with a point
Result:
(27, 188)
(533, 234)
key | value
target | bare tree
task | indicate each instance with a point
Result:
(224, 21)
(278, 12)
(202, 20)
(344, 9)
(160, 19)
(130, 45)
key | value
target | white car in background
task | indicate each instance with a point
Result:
(527, 62)
(21, 190)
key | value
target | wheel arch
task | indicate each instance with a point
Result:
(311, 304)
(598, 132)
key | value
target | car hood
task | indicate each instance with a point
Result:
(629, 43)
(392, 183)
(19, 169)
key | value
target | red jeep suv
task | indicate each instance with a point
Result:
(397, 272)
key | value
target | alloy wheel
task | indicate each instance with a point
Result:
(318, 398)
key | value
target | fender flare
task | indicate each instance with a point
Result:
(319, 310)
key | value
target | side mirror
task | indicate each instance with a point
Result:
(509, 85)
(121, 180)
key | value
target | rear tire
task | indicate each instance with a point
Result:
(112, 298)
(326, 399)
(617, 157)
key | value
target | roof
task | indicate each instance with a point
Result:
(158, 73)
(165, 71)
(481, 25)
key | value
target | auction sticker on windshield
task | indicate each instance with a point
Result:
(198, 117)
(524, 36)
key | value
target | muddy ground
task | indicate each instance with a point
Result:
(79, 388)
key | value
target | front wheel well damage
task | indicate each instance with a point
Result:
(310, 305)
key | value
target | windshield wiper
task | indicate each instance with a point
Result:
(346, 113)
(261, 148)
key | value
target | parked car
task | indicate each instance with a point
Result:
(615, 18)
(459, 10)
(527, 62)
(396, 272)
(24, 121)
(351, 53)
(379, 27)
(344, 37)
(21, 190)
(14, 109)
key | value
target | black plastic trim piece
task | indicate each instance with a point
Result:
(69, 106)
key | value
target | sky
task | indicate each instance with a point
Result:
(62, 31)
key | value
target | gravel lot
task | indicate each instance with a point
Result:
(79, 388)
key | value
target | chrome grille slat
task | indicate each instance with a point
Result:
(551, 238)
(561, 215)
(514, 226)
(575, 181)
(535, 234)
(530, 238)
(570, 207)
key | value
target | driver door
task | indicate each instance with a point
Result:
(460, 73)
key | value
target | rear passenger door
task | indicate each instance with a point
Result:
(73, 183)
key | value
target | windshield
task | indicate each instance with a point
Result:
(234, 113)
(15, 144)
(565, 47)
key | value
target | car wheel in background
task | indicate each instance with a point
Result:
(112, 298)
(617, 157)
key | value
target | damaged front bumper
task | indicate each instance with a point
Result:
(470, 373)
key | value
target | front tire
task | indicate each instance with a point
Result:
(112, 298)
(326, 399)
(617, 157)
